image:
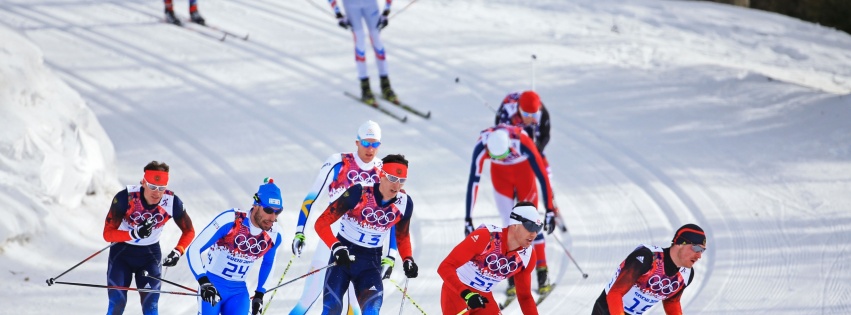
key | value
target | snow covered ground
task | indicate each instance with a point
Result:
(664, 113)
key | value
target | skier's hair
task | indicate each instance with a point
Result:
(395, 158)
(524, 203)
(156, 166)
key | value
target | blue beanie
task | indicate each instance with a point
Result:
(269, 195)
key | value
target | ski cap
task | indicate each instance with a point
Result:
(530, 102)
(528, 214)
(498, 143)
(369, 130)
(269, 195)
(689, 234)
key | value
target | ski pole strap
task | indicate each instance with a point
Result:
(280, 280)
(405, 293)
(303, 276)
(171, 283)
(115, 287)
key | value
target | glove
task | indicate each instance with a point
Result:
(143, 230)
(474, 300)
(468, 226)
(410, 268)
(382, 20)
(208, 291)
(387, 264)
(341, 255)
(342, 21)
(172, 258)
(550, 222)
(256, 303)
(298, 243)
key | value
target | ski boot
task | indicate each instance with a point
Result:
(544, 286)
(387, 92)
(366, 92)
(170, 18)
(511, 291)
(196, 17)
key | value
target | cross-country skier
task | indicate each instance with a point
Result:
(524, 109)
(366, 216)
(487, 256)
(236, 239)
(651, 274)
(358, 13)
(340, 171)
(135, 221)
(194, 15)
(515, 164)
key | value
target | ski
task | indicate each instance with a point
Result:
(223, 31)
(507, 301)
(542, 297)
(408, 108)
(378, 107)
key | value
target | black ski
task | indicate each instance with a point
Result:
(541, 297)
(408, 108)
(378, 107)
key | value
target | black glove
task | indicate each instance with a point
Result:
(256, 303)
(208, 291)
(382, 20)
(341, 254)
(172, 258)
(387, 264)
(410, 268)
(342, 21)
(474, 300)
(468, 226)
(550, 222)
(143, 230)
(298, 243)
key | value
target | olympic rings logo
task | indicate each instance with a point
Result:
(362, 177)
(140, 217)
(378, 216)
(666, 286)
(250, 244)
(501, 265)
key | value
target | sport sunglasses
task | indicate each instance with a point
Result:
(394, 179)
(153, 187)
(529, 225)
(528, 115)
(697, 249)
(501, 156)
(367, 144)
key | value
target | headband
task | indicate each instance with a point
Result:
(395, 169)
(159, 178)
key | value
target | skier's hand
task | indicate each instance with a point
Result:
(208, 291)
(143, 230)
(382, 20)
(256, 303)
(298, 243)
(387, 264)
(342, 21)
(172, 258)
(410, 267)
(468, 226)
(550, 222)
(474, 300)
(341, 254)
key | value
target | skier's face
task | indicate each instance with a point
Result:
(521, 235)
(153, 193)
(685, 255)
(262, 219)
(367, 152)
(389, 188)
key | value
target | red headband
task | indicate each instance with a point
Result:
(395, 169)
(159, 178)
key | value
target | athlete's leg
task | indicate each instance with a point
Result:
(371, 15)
(451, 302)
(153, 256)
(368, 285)
(118, 273)
(352, 298)
(355, 14)
(313, 284)
(336, 282)
(503, 179)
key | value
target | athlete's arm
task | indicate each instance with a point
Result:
(460, 255)
(335, 211)
(403, 236)
(479, 155)
(543, 130)
(326, 174)
(263, 279)
(527, 147)
(111, 233)
(184, 222)
(633, 268)
(211, 233)
(523, 283)
(672, 304)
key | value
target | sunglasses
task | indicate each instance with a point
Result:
(501, 156)
(529, 225)
(270, 210)
(153, 187)
(697, 249)
(394, 179)
(367, 144)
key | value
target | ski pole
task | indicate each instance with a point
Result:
(584, 275)
(469, 89)
(401, 10)
(464, 311)
(405, 293)
(279, 282)
(169, 282)
(115, 287)
(303, 276)
(53, 280)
